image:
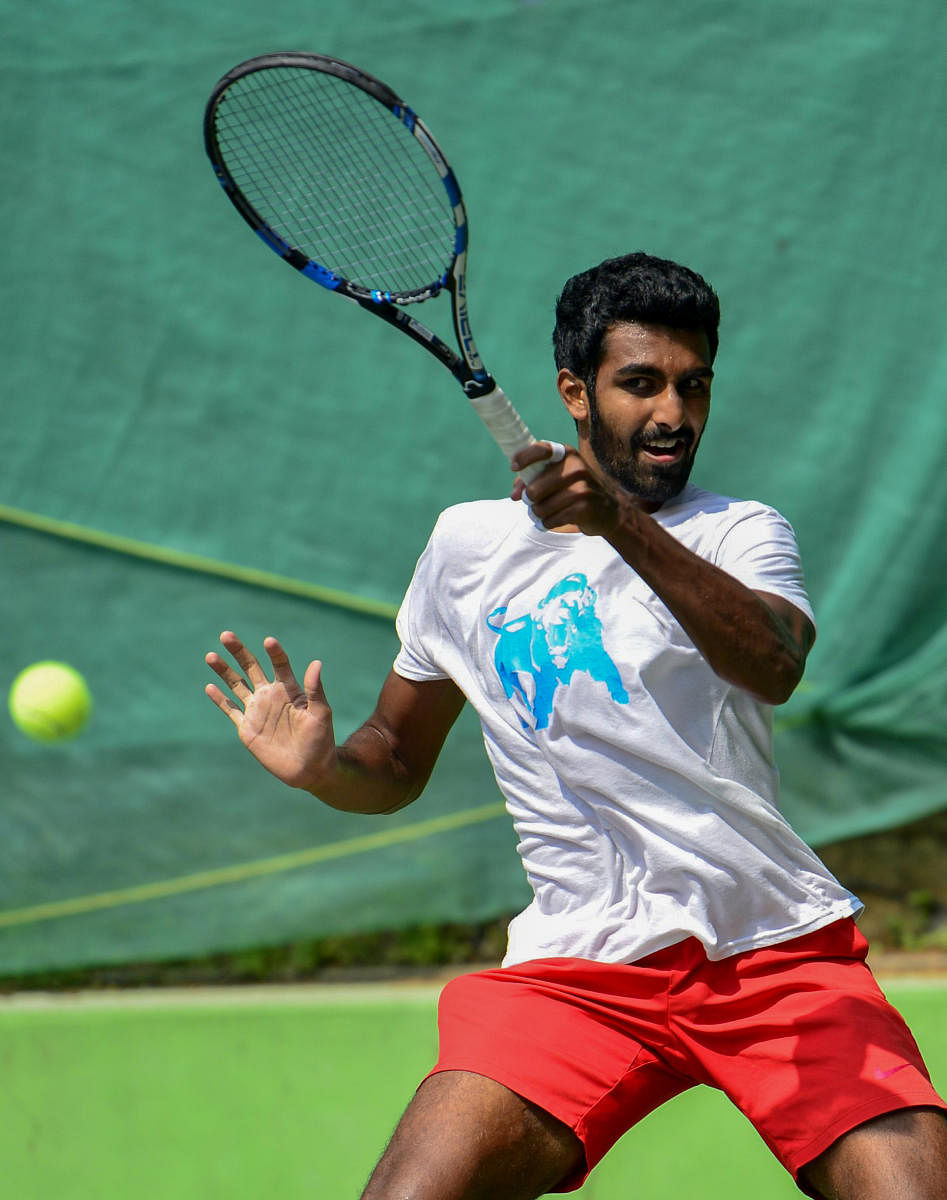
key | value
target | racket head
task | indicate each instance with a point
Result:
(337, 175)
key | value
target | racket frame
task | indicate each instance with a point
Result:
(467, 366)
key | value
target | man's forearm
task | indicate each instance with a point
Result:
(369, 776)
(737, 632)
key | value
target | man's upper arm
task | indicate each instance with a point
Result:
(762, 548)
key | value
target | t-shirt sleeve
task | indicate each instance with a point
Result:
(418, 622)
(761, 551)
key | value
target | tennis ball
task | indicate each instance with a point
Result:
(50, 701)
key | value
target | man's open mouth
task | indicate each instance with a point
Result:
(664, 450)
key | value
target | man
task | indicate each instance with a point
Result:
(623, 637)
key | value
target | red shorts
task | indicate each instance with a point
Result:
(799, 1036)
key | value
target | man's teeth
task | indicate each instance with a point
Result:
(662, 444)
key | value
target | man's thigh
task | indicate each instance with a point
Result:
(805, 1043)
(900, 1156)
(553, 1032)
(466, 1137)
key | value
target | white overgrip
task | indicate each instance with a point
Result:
(506, 427)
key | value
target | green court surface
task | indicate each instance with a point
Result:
(289, 1093)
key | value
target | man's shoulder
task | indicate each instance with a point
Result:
(478, 522)
(696, 504)
(469, 536)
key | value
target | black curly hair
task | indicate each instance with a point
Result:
(635, 287)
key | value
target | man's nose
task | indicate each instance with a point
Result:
(669, 408)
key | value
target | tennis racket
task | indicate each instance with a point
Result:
(345, 183)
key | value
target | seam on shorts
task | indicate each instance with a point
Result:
(582, 1123)
(633, 1065)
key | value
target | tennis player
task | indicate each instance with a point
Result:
(623, 636)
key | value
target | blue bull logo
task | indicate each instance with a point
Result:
(548, 646)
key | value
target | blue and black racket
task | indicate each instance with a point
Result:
(345, 182)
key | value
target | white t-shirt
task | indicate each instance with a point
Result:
(641, 785)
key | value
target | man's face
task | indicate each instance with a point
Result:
(652, 397)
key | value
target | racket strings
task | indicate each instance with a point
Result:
(336, 175)
(376, 160)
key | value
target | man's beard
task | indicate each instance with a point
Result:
(654, 483)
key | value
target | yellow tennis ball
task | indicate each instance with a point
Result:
(50, 701)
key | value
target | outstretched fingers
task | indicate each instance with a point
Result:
(285, 728)
(312, 684)
(254, 677)
(224, 703)
(242, 687)
(238, 687)
(283, 673)
(247, 660)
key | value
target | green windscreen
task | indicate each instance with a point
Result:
(197, 438)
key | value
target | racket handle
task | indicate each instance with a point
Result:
(506, 427)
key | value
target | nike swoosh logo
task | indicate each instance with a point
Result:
(891, 1071)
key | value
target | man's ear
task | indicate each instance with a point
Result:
(574, 395)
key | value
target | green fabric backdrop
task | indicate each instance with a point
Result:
(196, 438)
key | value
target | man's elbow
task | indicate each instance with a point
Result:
(783, 677)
